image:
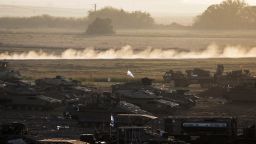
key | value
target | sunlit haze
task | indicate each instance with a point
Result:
(177, 9)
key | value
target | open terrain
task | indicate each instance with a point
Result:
(97, 71)
(58, 40)
(101, 70)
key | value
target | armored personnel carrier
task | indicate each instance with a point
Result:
(97, 110)
(20, 95)
(7, 74)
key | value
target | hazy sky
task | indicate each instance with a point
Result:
(163, 11)
(155, 7)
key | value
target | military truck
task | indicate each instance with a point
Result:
(208, 130)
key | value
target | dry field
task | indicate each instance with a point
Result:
(52, 40)
(55, 41)
(100, 70)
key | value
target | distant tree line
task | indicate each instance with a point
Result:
(119, 18)
(230, 14)
(123, 19)
(44, 21)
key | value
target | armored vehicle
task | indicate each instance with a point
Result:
(182, 97)
(15, 133)
(18, 88)
(29, 102)
(208, 130)
(98, 109)
(144, 95)
(242, 93)
(177, 78)
(234, 78)
(7, 74)
(57, 81)
(206, 79)
(195, 76)
(20, 95)
(61, 88)
(13, 129)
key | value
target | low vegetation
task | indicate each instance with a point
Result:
(44, 21)
(119, 18)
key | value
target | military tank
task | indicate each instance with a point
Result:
(195, 76)
(7, 74)
(62, 88)
(208, 80)
(177, 78)
(56, 81)
(183, 97)
(243, 93)
(144, 95)
(98, 109)
(234, 78)
(20, 95)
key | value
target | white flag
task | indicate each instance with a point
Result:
(129, 73)
(112, 121)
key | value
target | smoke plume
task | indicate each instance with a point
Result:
(127, 52)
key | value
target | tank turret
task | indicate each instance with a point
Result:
(7, 74)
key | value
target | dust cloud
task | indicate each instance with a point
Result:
(127, 52)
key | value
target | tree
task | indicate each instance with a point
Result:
(248, 17)
(123, 19)
(226, 15)
(100, 26)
